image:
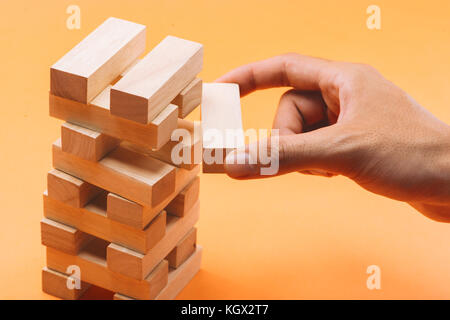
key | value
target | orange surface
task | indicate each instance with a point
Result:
(290, 237)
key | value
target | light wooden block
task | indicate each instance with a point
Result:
(91, 65)
(92, 219)
(92, 264)
(137, 216)
(156, 80)
(86, 143)
(132, 175)
(178, 278)
(96, 116)
(55, 284)
(69, 189)
(187, 150)
(185, 200)
(136, 265)
(129, 69)
(221, 123)
(125, 211)
(63, 237)
(183, 250)
(189, 98)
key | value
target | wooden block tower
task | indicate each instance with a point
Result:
(119, 213)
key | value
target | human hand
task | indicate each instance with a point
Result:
(347, 119)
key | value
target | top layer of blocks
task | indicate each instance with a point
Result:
(102, 85)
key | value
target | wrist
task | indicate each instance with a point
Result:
(441, 168)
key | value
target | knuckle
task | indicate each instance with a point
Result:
(368, 68)
(354, 77)
(288, 58)
(291, 55)
(355, 74)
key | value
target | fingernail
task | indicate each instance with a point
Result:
(237, 165)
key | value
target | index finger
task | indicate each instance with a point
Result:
(288, 70)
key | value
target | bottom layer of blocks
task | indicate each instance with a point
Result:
(89, 267)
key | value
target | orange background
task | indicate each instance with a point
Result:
(289, 237)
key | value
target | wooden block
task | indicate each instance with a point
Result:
(129, 68)
(55, 283)
(185, 200)
(86, 143)
(137, 216)
(96, 116)
(92, 219)
(183, 250)
(132, 175)
(125, 211)
(63, 237)
(189, 98)
(221, 124)
(68, 189)
(156, 80)
(178, 278)
(92, 264)
(188, 151)
(136, 265)
(92, 64)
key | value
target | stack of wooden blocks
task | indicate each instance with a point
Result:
(119, 213)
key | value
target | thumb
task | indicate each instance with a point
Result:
(277, 155)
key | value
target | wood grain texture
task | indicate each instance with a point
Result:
(178, 278)
(140, 216)
(136, 265)
(63, 237)
(185, 200)
(186, 149)
(91, 65)
(183, 250)
(69, 189)
(125, 211)
(96, 116)
(86, 143)
(92, 219)
(189, 98)
(221, 124)
(156, 80)
(132, 175)
(55, 284)
(92, 263)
